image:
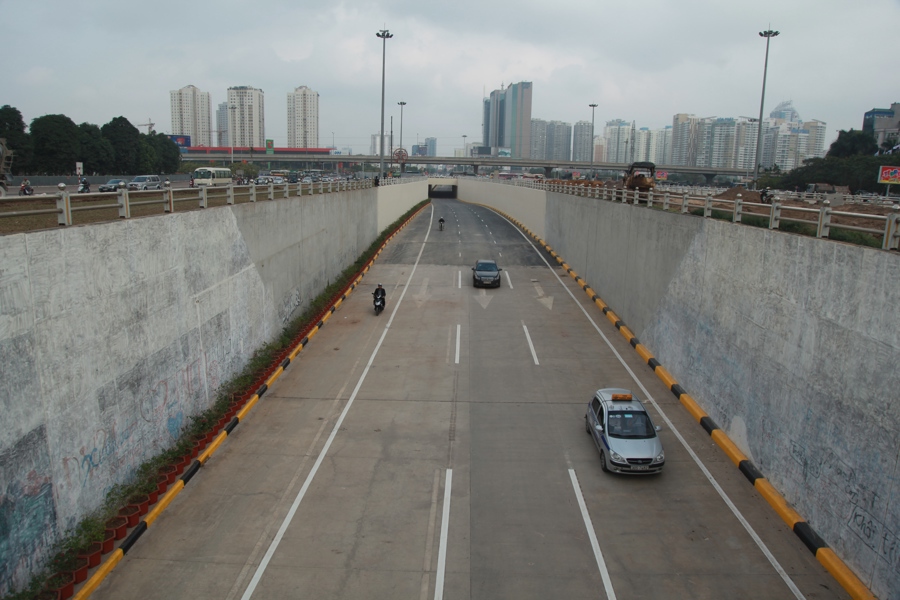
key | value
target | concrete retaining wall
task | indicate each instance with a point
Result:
(527, 205)
(112, 335)
(791, 344)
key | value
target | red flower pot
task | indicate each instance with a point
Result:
(170, 471)
(92, 554)
(109, 539)
(162, 482)
(153, 496)
(142, 501)
(119, 525)
(131, 514)
(63, 584)
(79, 573)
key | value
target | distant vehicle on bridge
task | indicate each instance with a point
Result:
(212, 176)
(641, 176)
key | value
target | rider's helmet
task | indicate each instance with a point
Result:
(379, 285)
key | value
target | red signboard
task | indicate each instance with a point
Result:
(889, 175)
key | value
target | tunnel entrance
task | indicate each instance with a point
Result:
(442, 191)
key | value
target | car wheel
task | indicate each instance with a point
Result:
(603, 462)
(587, 426)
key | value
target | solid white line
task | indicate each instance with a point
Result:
(459, 280)
(595, 545)
(759, 543)
(530, 345)
(442, 551)
(457, 343)
(251, 587)
(509, 280)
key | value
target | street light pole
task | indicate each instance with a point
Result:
(593, 106)
(232, 107)
(402, 104)
(464, 144)
(385, 35)
(768, 34)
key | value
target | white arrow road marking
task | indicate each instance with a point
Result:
(423, 294)
(483, 299)
(545, 300)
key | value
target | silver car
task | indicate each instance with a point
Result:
(145, 182)
(624, 433)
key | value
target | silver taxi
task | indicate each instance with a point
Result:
(624, 433)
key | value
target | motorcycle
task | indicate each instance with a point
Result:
(26, 190)
(441, 225)
(379, 304)
(84, 188)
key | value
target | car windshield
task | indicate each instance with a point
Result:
(485, 266)
(140, 179)
(629, 424)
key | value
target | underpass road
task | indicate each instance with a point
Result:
(506, 433)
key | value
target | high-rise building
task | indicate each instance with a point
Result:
(222, 124)
(507, 119)
(684, 139)
(303, 118)
(659, 146)
(375, 146)
(431, 145)
(538, 139)
(816, 129)
(616, 135)
(191, 114)
(581, 143)
(247, 121)
(559, 141)
(786, 112)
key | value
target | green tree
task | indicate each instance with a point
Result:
(147, 159)
(57, 145)
(851, 143)
(167, 153)
(96, 151)
(125, 140)
(12, 128)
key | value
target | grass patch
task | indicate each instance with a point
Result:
(91, 528)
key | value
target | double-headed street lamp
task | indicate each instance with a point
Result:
(385, 35)
(768, 34)
(593, 106)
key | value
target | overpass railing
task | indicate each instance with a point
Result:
(126, 204)
(702, 201)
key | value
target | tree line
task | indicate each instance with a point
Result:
(54, 143)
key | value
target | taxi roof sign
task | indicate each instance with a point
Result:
(620, 397)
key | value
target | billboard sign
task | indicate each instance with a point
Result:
(270, 147)
(889, 175)
(182, 141)
(662, 175)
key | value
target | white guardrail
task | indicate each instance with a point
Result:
(198, 197)
(683, 199)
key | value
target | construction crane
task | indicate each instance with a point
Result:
(149, 125)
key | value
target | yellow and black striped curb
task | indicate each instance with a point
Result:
(119, 553)
(825, 555)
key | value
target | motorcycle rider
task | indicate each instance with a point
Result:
(85, 186)
(441, 221)
(25, 188)
(379, 293)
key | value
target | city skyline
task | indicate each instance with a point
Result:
(690, 58)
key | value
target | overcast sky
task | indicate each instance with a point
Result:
(639, 61)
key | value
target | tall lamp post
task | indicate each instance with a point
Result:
(593, 106)
(402, 104)
(233, 128)
(464, 144)
(385, 35)
(768, 34)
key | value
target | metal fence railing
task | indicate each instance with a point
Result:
(702, 201)
(125, 204)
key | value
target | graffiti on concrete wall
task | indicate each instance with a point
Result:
(861, 503)
(27, 509)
